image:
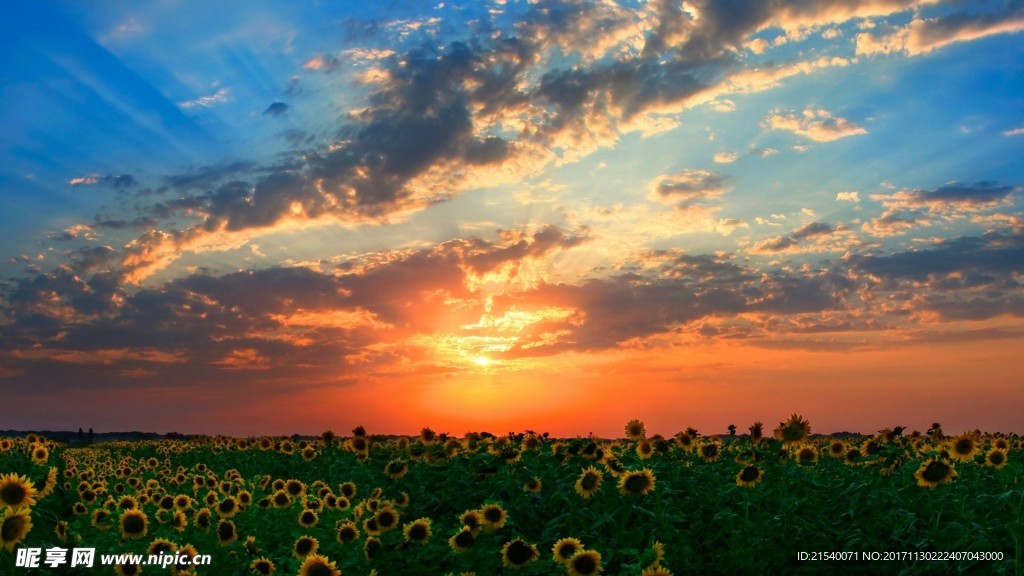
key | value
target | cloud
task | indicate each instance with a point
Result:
(276, 109)
(726, 157)
(951, 198)
(812, 237)
(924, 35)
(848, 196)
(688, 187)
(325, 63)
(1013, 132)
(219, 97)
(815, 123)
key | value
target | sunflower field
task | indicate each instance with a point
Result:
(526, 504)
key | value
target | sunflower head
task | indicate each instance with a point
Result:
(749, 476)
(462, 540)
(16, 491)
(934, 472)
(347, 532)
(565, 549)
(417, 531)
(637, 482)
(584, 563)
(794, 430)
(15, 524)
(262, 566)
(588, 482)
(317, 565)
(494, 516)
(518, 553)
(635, 429)
(995, 458)
(304, 546)
(963, 447)
(134, 524)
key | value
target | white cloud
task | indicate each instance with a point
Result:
(1014, 132)
(848, 197)
(726, 157)
(206, 101)
(817, 124)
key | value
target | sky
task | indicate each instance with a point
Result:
(274, 218)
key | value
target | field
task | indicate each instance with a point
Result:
(763, 502)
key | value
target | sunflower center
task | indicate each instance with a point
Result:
(936, 472)
(303, 547)
(519, 552)
(226, 531)
(567, 550)
(997, 457)
(418, 532)
(130, 568)
(637, 483)
(12, 528)
(386, 519)
(589, 482)
(749, 474)
(319, 569)
(13, 494)
(134, 524)
(347, 534)
(964, 446)
(584, 564)
(464, 539)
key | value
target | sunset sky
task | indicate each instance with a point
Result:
(272, 217)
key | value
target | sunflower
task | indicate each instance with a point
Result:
(963, 447)
(347, 532)
(281, 499)
(308, 518)
(317, 565)
(588, 482)
(749, 476)
(387, 519)
(61, 530)
(304, 546)
(584, 563)
(518, 553)
(635, 429)
(807, 455)
(226, 532)
(995, 458)
(226, 508)
(203, 519)
(462, 540)
(710, 451)
(656, 570)
(644, 449)
(295, 488)
(40, 454)
(262, 566)
(494, 517)
(565, 549)
(161, 545)
(396, 469)
(133, 524)
(837, 449)
(250, 545)
(934, 472)
(16, 491)
(417, 531)
(472, 519)
(347, 489)
(637, 482)
(532, 485)
(372, 548)
(46, 485)
(14, 526)
(128, 569)
(101, 519)
(794, 430)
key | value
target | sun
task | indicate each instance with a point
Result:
(482, 361)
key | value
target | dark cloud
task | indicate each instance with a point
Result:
(981, 193)
(276, 109)
(784, 243)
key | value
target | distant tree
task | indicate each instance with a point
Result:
(732, 429)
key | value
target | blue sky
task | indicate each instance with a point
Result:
(351, 195)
